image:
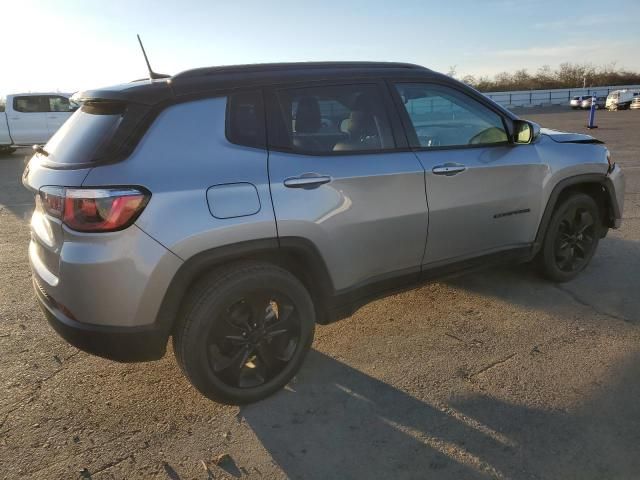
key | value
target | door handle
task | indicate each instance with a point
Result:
(307, 180)
(448, 169)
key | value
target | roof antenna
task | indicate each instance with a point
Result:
(152, 75)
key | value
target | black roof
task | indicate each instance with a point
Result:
(293, 67)
(202, 80)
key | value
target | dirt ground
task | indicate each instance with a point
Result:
(497, 374)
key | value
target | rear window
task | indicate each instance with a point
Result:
(85, 134)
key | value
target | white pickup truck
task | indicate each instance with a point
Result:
(32, 118)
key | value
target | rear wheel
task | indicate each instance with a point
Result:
(245, 333)
(571, 238)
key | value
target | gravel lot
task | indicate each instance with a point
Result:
(498, 374)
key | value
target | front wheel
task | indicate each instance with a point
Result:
(571, 238)
(7, 150)
(245, 333)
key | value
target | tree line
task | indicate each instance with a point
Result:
(567, 75)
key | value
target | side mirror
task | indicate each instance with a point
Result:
(525, 131)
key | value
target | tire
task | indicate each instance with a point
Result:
(571, 238)
(244, 333)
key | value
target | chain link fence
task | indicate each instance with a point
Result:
(532, 98)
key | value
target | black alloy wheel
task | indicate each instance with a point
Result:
(254, 340)
(575, 237)
(245, 331)
(571, 237)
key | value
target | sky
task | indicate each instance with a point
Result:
(67, 45)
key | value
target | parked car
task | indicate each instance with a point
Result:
(620, 99)
(576, 102)
(193, 209)
(29, 118)
(600, 102)
(635, 103)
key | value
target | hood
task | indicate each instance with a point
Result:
(566, 137)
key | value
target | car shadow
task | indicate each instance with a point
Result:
(337, 422)
(609, 285)
(14, 197)
(600, 439)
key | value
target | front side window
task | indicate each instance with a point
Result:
(444, 117)
(29, 104)
(58, 104)
(328, 119)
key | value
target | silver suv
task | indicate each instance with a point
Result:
(233, 208)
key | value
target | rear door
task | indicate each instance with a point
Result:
(339, 180)
(27, 119)
(58, 110)
(483, 192)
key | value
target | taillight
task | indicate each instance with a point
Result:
(94, 209)
(53, 200)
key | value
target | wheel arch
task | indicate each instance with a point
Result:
(296, 255)
(598, 186)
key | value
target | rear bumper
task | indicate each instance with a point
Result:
(122, 344)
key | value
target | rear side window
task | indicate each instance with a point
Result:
(331, 119)
(85, 134)
(30, 104)
(245, 119)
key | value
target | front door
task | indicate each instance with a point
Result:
(58, 112)
(338, 180)
(483, 191)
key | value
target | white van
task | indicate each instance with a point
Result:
(620, 99)
(30, 118)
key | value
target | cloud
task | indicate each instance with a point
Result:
(581, 22)
(535, 52)
(490, 62)
(566, 52)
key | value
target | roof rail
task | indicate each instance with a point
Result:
(269, 67)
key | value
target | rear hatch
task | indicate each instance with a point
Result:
(65, 161)
(101, 131)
